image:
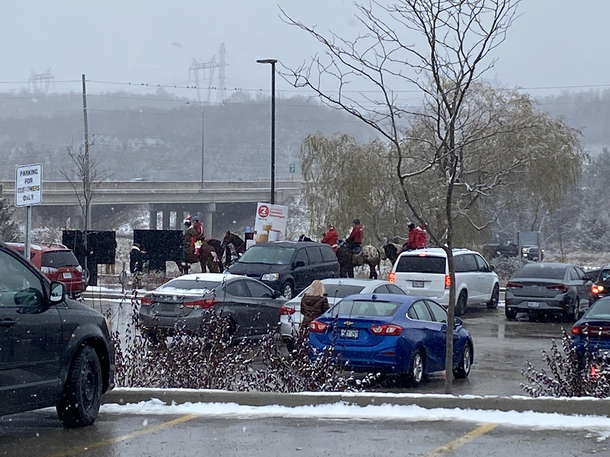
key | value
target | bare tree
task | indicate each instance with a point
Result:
(85, 178)
(8, 228)
(439, 49)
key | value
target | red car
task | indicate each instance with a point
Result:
(58, 263)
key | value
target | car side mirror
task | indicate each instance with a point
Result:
(457, 322)
(277, 294)
(299, 263)
(58, 292)
(492, 268)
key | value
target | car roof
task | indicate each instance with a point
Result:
(290, 244)
(435, 251)
(355, 281)
(219, 277)
(40, 247)
(404, 299)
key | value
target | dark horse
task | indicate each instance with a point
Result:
(184, 266)
(238, 244)
(392, 251)
(369, 255)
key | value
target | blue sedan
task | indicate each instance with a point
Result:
(594, 327)
(388, 333)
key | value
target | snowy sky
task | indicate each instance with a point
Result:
(596, 424)
(555, 43)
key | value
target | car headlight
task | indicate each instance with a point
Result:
(270, 277)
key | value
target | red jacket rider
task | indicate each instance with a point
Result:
(331, 237)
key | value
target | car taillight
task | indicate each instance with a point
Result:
(386, 330)
(577, 330)
(392, 277)
(317, 327)
(287, 310)
(597, 288)
(447, 281)
(146, 300)
(202, 304)
(559, 288)
(514, 285)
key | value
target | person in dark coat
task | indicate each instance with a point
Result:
(313, 304)
(136, 259)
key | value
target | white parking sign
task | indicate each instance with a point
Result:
(28, 185)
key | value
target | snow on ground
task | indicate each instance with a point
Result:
(531, 420)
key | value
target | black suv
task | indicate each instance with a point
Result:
(288, 266)
(53, 351)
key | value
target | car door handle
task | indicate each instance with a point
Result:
(8, 322)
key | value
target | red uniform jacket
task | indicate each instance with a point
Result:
(356, 234)
(331, 237)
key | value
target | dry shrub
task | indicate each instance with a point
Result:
(214, 360)
(571, 375)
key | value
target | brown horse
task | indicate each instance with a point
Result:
(238, 244)
(184, 266)
(368, 255)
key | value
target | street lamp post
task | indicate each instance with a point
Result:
(202, 137)
(272, 62)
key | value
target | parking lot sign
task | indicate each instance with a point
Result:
(28, 185)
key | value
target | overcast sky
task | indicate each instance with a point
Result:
(554, 43)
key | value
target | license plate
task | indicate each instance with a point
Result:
(349, 333)
(533, 304)
(165, 307)
(67, 275)
(418, 284)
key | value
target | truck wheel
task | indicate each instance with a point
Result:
(82, 394)
(460, 306)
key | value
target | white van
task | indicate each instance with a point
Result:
(425, 272)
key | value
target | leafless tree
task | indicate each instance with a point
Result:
(439, 50)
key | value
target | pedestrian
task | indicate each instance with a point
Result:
(330, 237)
(313, 304)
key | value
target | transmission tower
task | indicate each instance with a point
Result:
(197, 72)
(39, 82)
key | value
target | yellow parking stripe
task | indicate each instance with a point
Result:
(462, 440)
(154, 428)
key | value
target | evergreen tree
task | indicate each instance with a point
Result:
(8, 228)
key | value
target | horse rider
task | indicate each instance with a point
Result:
(355, 237)
(196, 249)
(416, 238)
(330, 237)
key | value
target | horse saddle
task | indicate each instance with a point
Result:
(357, 250)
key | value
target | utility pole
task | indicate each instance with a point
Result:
(86, 183)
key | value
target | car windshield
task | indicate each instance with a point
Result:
(342, 290)
(364, 308)
(599, 310)
(604, 275)
(274, 255)
(421, 264)
(541, 271)
(188, 284)
(56, 259)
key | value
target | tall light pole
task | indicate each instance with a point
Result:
(202, 137)
(272, 62)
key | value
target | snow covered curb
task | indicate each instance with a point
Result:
(570, 406)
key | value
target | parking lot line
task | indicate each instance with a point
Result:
(481, 430)
(144, 431)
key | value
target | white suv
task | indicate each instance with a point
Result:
(425, 272)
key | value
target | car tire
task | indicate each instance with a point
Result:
(511, 314)
(82, 395)
(495, 298)
(463, 369)
(287, 290)
(571, 314)
(417, 368)
(461, 304)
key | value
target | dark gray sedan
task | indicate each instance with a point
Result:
(251, 307)
(559, 288)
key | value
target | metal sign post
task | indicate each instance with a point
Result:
(28, 192)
